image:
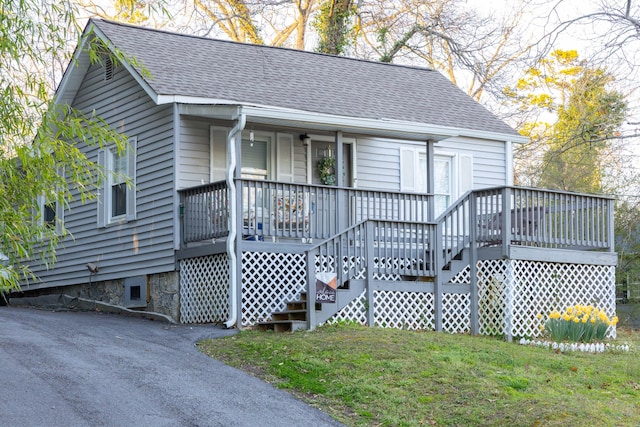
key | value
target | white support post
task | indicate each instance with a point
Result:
(474, 304)
(509, 297)
(369, 276)
(311, 289)
(437, 282)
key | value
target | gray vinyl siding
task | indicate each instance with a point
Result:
(194, 153)
(378, 161)
(194, 164)
(299, 160)
(144, 245)
(378, 164)
(489, 159)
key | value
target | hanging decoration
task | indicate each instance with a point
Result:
(327, 170)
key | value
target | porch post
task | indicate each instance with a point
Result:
(369, 275)
(340, 217)
(311, 288)
(506, 221)
(611, 230)
(431, 186)
(474, 305)
(437, 280)
(509, 298)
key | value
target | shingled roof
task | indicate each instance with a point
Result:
(229, 72)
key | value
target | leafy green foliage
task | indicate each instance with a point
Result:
(39, 140)
(572, 115)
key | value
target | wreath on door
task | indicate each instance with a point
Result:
(327, 170)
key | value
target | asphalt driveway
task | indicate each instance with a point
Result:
(92, 369)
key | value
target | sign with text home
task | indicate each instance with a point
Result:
(326, 287)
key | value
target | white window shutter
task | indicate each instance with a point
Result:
(466, 173)
(40, 212)
(102, 189)
(284, 158)
(131, 172)
(218, 147)
(407, 170)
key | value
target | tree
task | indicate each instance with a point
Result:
(611, 26)
(573, 115)
(271, 22)
(333, 26)
(475, 50)
(39, 154)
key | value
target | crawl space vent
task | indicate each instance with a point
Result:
(135, 292)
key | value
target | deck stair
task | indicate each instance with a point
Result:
(294, 316)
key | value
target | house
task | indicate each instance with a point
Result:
(288, 188)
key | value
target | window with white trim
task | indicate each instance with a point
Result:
(51, 214)
(117, 198)
(453, 175)
(442, 182)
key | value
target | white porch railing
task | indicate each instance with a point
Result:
(289, 210)
(543, 218)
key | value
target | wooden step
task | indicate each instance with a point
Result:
(290, 315)
(282, 325)
(296, 305)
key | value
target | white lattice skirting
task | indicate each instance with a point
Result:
(269, 281)
(511, 293)
(204, 289)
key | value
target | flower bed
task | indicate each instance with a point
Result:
(578, 323)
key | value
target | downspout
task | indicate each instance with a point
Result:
(231, 238)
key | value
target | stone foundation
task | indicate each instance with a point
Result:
(162, 293)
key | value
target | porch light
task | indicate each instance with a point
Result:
(252, 137)
(306, 139)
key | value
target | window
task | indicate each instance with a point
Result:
(255, 159)
(413, 169)
(443, 184)
(118, 183)
(51, 214)
(117, 199)
(452, 173)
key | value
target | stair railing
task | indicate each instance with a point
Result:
(343, 254)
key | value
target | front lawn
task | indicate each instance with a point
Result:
(371, 376)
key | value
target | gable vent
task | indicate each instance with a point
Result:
(108, 69)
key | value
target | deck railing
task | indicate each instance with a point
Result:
(205, 212)
(290, 210)
(543, 218)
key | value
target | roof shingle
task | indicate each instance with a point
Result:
(192, 66)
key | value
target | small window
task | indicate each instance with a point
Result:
(117, 199)
(443, 183)
(51, 214)
(118, 183)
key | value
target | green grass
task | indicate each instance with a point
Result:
(370, 376)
